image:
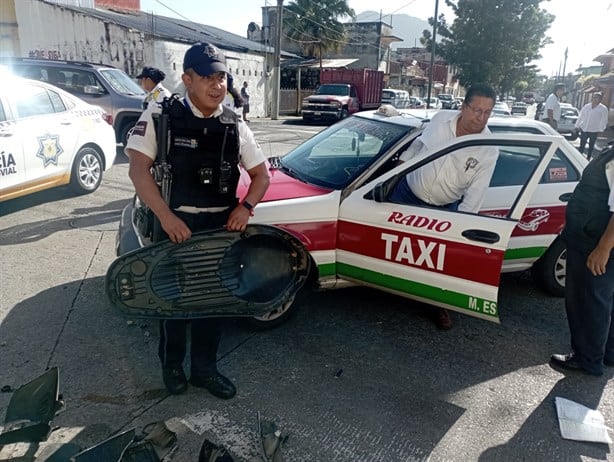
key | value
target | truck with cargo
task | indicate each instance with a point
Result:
(343, 92)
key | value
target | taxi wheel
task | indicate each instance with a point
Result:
(549, 271)
(273, 318)
(86, 172)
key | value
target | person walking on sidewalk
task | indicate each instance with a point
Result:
(245, 96)
(593, 120)
(207, 144)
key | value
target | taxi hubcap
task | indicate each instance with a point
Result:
(89, 170)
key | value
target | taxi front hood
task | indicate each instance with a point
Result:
(281, 187)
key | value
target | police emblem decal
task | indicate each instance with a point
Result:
(49, 149)
(472, 162)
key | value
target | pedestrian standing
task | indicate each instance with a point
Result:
(593, 120)
(206, 146)
(245, 96)
(552, 106)
(589, 279)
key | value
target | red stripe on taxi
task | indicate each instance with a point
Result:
(430, 254)
(317, 235)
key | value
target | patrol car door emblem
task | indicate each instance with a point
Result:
(49, 149)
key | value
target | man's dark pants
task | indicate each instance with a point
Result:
(589, 301)
(206, 332)
(591, 137)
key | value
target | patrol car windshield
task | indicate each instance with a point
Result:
(338, 155)
(121, 82)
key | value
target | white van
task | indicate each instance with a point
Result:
(398, 98)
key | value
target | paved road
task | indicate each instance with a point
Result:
(355, 376)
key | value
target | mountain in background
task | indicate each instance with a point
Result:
(404, 26)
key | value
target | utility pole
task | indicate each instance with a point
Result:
(276, 59)
(428, 101)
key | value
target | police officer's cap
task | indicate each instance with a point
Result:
(205, 59)
(154, 74)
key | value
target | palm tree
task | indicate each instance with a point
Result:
(314, 25)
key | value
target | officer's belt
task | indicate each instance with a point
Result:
(195, 210)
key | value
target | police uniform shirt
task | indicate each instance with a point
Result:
(157, 94)
(609, 173)
(143, 138)
(552, 102)
(465, 173)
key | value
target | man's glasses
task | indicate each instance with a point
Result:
(479, 112)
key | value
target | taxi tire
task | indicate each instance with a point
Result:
(549, 271)
(87, 162)
(280, 315)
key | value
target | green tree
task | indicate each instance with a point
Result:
(315, 26)
(493, 41)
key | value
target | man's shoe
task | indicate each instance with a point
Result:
(570, 362)
(174, 380)
(443, 320)
(217, 384)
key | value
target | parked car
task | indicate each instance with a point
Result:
(331, 193)
(50, 138)
(398, 98)
(102, 85)
(416, 103)
(433, 103)
(501, 109)
(447, 101)
(519, 108)
(567, 123)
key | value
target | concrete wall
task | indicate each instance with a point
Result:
(47, 31)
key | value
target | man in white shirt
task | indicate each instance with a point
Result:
(552, 106)
(592, 121)
(457, 181)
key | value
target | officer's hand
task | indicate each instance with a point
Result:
(175, 228)
(597, 261)
(237, 221)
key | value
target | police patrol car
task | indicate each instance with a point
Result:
(50, 138)
(332, 191)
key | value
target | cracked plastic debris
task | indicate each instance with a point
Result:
(271, 440)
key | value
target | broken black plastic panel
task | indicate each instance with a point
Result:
(213, 274)
(31, 409)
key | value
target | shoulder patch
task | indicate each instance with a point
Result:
(140, 128)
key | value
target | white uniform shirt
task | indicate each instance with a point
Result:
(593, 119)
(157, 94)
(143, 136)
(552, 102)
(463, 174)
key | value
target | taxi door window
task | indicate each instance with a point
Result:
(32, 101)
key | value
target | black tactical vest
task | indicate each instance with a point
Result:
(587, 214)
(204, 158)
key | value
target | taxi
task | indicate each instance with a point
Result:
(332, 193)
(49, 138)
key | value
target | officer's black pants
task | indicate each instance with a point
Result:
(205, 333)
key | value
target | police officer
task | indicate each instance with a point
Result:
(589, 280)
(207, 145)
(151, 79)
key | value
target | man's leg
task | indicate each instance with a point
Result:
(592, 137)
(206, 335)
(583, 138)
(171, 351)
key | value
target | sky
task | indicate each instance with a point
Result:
(583, 28)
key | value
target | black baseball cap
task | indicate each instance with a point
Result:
(154, 74)
(205, 59)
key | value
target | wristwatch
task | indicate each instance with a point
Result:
(248, 206)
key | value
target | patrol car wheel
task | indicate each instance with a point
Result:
(86, 172)
(124, 133)
(549, 271)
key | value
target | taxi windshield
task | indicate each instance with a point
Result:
(338, 155)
